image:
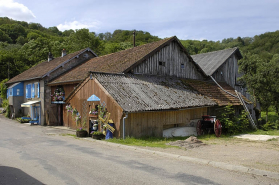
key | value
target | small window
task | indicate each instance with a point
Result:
(85, 55)
(11, 92)
(182, 66)
(36, 90)
(162, 63)
(17, 92)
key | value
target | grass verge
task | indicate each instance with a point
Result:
(147, 141)
(262, 132)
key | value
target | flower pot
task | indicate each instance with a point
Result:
(98, 137)
(93, 116)
(81, 133)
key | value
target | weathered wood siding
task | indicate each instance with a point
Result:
(174, 57)
(82, 93)
(152, 123)
(228, 72)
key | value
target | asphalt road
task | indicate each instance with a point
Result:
(41, 155)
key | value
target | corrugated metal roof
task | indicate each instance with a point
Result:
(136, 93)
(211, 61)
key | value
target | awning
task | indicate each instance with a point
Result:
(27, 104)
(93, 98)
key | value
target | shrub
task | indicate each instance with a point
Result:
(6, 107)
(270, 126)
(230, 123)
(3, 89)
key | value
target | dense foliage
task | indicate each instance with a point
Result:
(230, 123)
(23, 45)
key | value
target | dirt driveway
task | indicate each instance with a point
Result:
(262, 155)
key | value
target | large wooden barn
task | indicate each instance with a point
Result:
(151, 83)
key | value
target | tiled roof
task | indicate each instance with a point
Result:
(211, 61)
(211, 90)
(118, 62)
(136, 93)
(43, 68)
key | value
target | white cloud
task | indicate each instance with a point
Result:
(14, 10)
(78, 25)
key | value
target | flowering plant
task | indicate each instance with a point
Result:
(74, 113)
(103, 110)
(93, 111)
(58, 94)
(69, 108)
(78, 118)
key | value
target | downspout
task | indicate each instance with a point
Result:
(124, 124)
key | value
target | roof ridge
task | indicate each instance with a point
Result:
(136, 47)
(234, 48)
(59, 60)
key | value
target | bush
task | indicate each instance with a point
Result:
(230, 123)
(270, 126)
(6, 108)
(3, 90)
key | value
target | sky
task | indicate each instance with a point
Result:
(187, 19)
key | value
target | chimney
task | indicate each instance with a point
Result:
(64, 53)
(50, 57)
(134, 35)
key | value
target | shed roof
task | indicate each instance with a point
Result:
(211, 61)
(136, 93)
(211, 90)
(119, 62)
(43, 68)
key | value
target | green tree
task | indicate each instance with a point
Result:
(3, 89)
(5, 37)
(82, 38)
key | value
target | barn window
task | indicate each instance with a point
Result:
(85, 55)
(162, 63)
(182, 66)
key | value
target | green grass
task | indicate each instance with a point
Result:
(73, 135)
(262, 132)
(147, 141)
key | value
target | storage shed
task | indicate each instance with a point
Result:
(152, 103)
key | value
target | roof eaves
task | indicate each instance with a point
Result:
(170, 109)
(24, 80)
(73, 91)
(64, 82)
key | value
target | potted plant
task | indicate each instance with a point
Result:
(81, 132)
(58, 94)
(97, 135)
(93, 113)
